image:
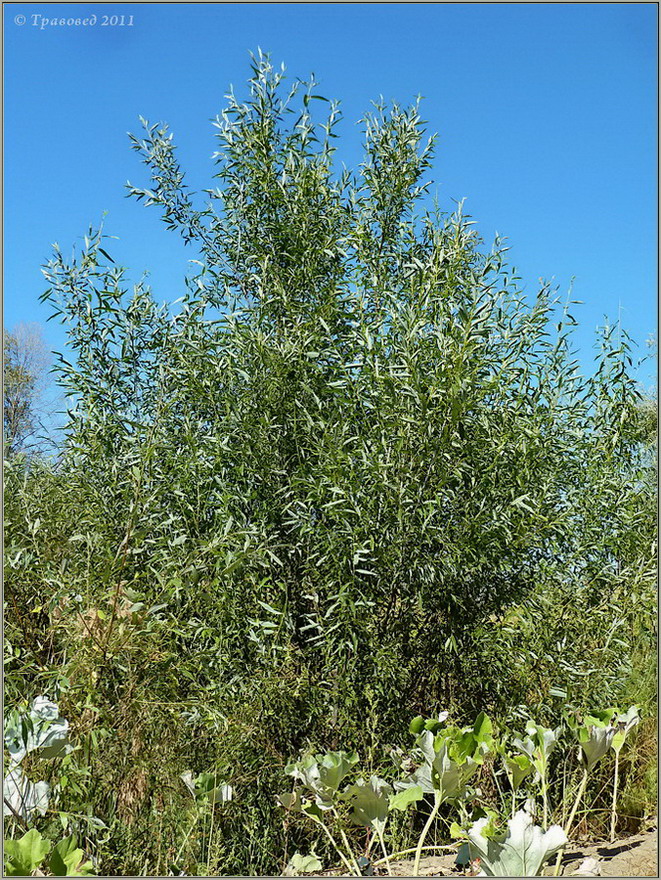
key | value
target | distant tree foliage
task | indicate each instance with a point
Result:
(26, 363)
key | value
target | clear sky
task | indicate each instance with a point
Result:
(546, 116)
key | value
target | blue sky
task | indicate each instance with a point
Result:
(546, 116)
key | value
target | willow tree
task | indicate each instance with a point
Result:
(354, 429)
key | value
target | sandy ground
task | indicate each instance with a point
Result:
(635, 856)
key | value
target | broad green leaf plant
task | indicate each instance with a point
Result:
(624, 724)
(300, 864)
(537, 748)
(521, 851)
(596, 733)
(321, 777)
(450, 758)
(25, 856)
(447, 758)
(41, 729)
(444, 759)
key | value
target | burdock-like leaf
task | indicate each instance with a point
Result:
(370, 801)
(595, 742)
(290, 800)
(520, 852)
(23, 856)
(300, 864)
(623, 724)
(18, 729)
(44, 709)
(322, 774)
(406, 796)
(189, 781)
(42, 729)
(538, 745)
(334, 766)
(67, 860)
(421, 723)
(483, 730)
(448, 777)
(525, 746)
(205, 787)
(449, 759)
(517, 768)
(22, 797)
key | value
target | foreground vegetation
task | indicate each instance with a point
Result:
(353, 476)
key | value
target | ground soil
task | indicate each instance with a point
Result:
(635, 856)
